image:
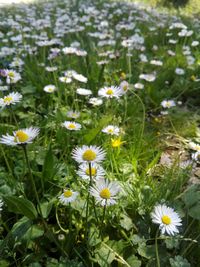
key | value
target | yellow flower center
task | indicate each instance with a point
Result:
(125, 88)
(109, 92)
(168, 104)
(21, 136)
(7, 99)
(93, 171)
(110, 130)
(89, 155)
(105, 193)
(11, 74)
(50, 89)
(68, 193)
(71, 126)
(166, 219)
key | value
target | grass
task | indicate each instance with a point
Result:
(108, 77)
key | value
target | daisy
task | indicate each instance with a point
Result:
(68, 196)
(83, 91)
(139, 86)
(72, 126)
(20, 137)
(65, 79)
(80, 78)
(95, 101)
(10, 99)
(179, 71)
(110, 92)
(168, 103)
(12, 76)
(148, 77)
(124, 86)
(167, 219)
(105, 192)
(194, 146)
(88, 154)
(49, 88)
(96, 171)
(73, 114)
(111, 129)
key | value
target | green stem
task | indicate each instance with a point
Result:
(31, 178)
(102, 222)
(58, 222)
(156, 247)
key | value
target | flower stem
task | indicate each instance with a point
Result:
(102, 222)
(156, 247)
(31, 178)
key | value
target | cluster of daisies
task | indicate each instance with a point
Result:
(90, 170)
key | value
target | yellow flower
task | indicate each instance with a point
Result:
(122, 76)
(193, 78)
(117, 142)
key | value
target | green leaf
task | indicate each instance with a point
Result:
(46, 208)
(33, 232)
(145, 251)
(179, 261)
(126, 222)
(48, 167)
(191, 199)
(104, 256)
(133, 261)
(93, 133)
(21, 206)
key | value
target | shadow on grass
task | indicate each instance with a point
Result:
(175, 3)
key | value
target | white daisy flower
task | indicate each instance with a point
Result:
(194, 146)
(88, 154)
(83, 91)
(73, 114)
(65, 79)
(105, 192)
(167, 219)
(80, 78)
(20, 137)
(10, 99)
(49, 88)
(12, 77)
(139, 86)
(124, 86)
(148, 77)
(110, 92)
(95, 101)
(72, 126)
(196, 156)
(111, 129)
(168, 103)
(68, 196)
(179, 71)
(97, 171)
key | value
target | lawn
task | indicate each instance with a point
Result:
(99, 135)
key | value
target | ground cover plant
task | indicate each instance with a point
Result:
(99, 136)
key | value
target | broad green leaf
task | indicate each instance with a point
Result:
(104, 256)
(90, 136)
(33, 232)
(21, 206)
(133, 261)
(179, 261)
(126, 222)
(46, 208)
(191, 199)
